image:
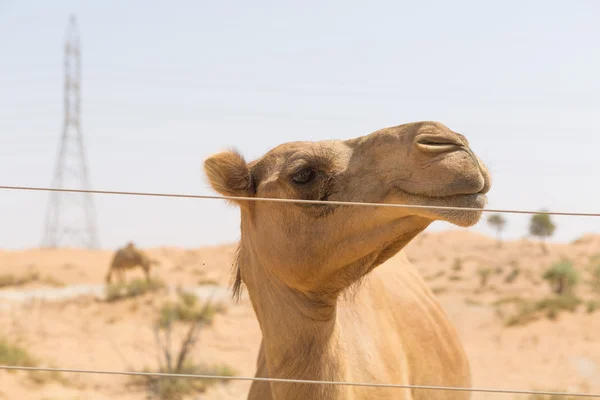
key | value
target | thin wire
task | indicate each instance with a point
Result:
(348, 203)
(384, 385)
(336, 383)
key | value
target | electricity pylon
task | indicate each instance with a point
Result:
(70, 219)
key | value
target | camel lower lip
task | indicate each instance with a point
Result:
(476, 200)
(472, 200)
(480, 200)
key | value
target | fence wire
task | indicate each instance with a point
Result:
(337, 383)
(280, 200)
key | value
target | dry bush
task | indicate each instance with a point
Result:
(562, 277)
(15, 355)
(12, 354)
(528, 311)
(188, 311)
(7, 280)
(136, 287)
(484, 275)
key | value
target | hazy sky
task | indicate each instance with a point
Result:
(167, 83)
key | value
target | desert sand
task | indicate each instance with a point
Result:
(62, 319)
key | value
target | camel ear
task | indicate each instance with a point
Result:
(229, 175)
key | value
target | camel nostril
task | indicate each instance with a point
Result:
(435, 144)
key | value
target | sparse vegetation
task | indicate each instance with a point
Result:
(592, 306)
(432, 277)
(550, 307)
(207, 282)
(457, 266)
(484, 274)
(14, 355)
(187, 309)
(498, 222)
(8, 280)
(512, 276)
(594, 270)
(562, 277)
(169, 388)
(176, 388)
(46, 377)
(507, 300)
(471, 302)
(542, 226)
(136, 287)
(439, 290)
(14, 280)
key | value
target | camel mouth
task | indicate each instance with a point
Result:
(480, 195)
(471, 200)
(469, 207)
(476, 200)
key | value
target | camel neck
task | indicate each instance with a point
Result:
(301, 340)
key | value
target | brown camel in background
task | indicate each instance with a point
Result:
(129, 257)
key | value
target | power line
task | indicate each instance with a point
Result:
(336, 383)
(279, 200)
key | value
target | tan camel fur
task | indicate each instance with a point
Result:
(129, 257)
(325, 311)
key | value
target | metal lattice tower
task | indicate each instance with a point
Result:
(70, 219)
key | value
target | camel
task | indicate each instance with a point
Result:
(129, 257)
(329, 305)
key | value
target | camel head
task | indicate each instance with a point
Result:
(324, 248)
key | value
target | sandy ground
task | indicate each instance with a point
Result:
(84, 331)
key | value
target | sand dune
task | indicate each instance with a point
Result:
(62, 327)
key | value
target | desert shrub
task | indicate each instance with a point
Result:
(594, 269)
(52, 281)
(207, 282)
(484, 275)
(457, 266)
(46, 377)
(186, 310)
(541, 225)
(14, 355)
(471, 302)
(528, 311)
(553, 305)
(498, 222)
(591, 306)
(439, 290)
(562, 277)
(14, 280)
(510, 299)
(512, 276)
(136, 287)
(172, 388)
(434, 276)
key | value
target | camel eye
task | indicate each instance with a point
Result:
(304, 176)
